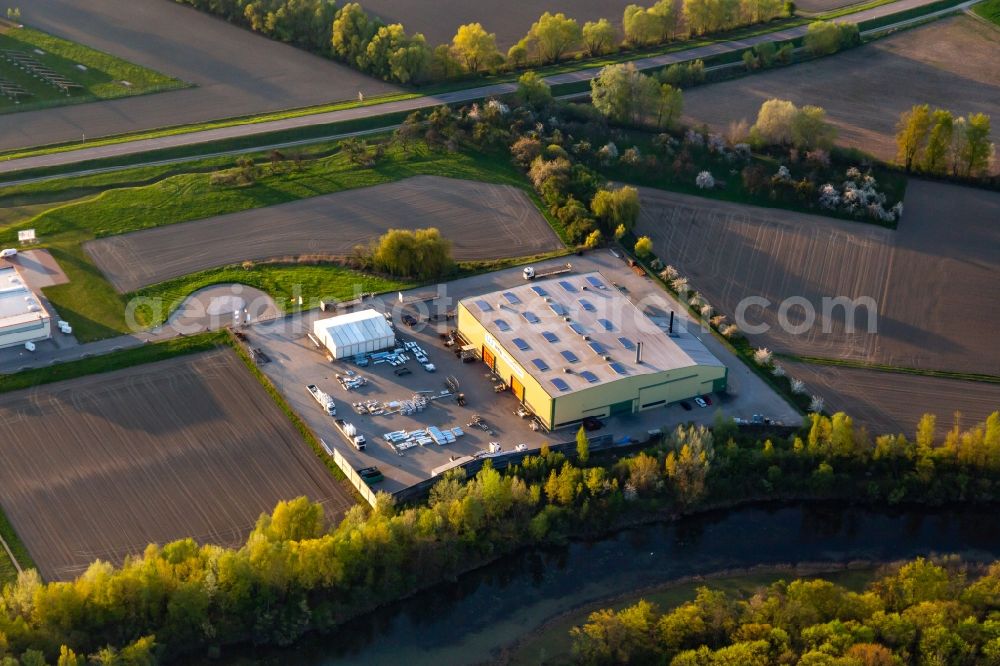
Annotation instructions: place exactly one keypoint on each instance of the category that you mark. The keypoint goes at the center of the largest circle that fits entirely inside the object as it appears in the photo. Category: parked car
(402, 371)
(685, 405)
(591, 423)
(707, 398)
(409, 320)
(700, 402)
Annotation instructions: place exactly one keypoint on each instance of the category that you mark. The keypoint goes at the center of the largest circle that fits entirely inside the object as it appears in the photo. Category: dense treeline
(294, 573)
(922, 613)
(351, 35)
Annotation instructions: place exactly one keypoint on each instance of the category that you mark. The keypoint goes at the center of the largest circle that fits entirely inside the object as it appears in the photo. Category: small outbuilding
(355, 333)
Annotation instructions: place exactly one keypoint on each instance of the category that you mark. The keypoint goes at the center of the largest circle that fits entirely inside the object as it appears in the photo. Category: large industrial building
(354, 333)
(22, 317)
(575, 346)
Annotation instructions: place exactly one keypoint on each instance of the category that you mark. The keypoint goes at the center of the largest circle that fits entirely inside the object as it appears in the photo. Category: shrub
(762, 356)
(421, 253)
(704, 180)
(644, 247)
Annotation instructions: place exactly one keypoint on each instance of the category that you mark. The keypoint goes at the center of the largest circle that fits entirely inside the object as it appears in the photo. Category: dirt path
(483, 221)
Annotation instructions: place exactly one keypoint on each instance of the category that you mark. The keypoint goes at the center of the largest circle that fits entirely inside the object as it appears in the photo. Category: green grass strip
(989, 10)
(8, 572)
(200, 127)
(861, 365)
(102, 77)
(907, 14)
(126, 358)
(279, 400)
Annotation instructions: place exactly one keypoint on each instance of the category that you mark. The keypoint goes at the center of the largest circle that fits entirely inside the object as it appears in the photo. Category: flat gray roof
(17, 303)
(584, 323)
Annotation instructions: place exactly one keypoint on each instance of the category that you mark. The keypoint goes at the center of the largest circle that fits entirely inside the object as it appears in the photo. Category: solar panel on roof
(521, 344)
(608, 326)
(594, 282)
(511, 298)
(531, 317)
(558, 309)
(483, 305)
(569, 356)
(540, 364)
(550, 336)
(539, 291)
(560, 384)
(502, 325)
(567, 285)
(589, 376)
(579, 330)
(597, 347)
(587, 305)
(626, 343)
(619, 368)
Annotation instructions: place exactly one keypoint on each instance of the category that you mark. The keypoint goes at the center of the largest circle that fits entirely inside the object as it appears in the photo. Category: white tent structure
(355, 333)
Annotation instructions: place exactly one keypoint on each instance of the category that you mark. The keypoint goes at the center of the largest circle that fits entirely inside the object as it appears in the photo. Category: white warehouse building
(355, 333)
(22, 317)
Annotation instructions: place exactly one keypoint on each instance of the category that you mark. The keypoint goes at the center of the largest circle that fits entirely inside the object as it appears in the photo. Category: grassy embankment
(102, 77)
(989, 10)
(96, 310)
(552, 643)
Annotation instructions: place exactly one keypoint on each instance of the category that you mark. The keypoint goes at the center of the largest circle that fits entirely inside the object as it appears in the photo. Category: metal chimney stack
(638, 353)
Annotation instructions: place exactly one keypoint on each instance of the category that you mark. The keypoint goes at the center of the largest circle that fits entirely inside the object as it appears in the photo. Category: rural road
(457, 97)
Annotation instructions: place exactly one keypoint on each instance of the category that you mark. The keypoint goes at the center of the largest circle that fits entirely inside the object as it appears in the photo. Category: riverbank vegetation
(920, 612)
(295, 573)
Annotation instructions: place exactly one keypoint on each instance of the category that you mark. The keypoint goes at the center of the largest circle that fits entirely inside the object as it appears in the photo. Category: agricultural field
(234, 72)
(950, 63)
(889, 402)
(39, 70)
(933, 281)
(483, 221)
(102, 465)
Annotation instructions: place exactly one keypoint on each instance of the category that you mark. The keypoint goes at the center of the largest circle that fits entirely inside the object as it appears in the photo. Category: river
(466, 622)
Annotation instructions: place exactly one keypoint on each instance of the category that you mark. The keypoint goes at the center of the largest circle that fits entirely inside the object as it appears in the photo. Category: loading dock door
(489, 359)
(517, 388)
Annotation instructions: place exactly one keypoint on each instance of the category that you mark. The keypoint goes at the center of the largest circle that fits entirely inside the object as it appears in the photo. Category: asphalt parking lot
(295, 363)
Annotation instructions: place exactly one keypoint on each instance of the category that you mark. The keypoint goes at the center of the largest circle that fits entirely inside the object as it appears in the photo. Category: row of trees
(389, 52)
(939, 143)
(294, 573)
(919, 613)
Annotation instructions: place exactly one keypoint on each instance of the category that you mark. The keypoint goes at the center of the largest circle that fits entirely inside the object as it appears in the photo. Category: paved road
(192, 138)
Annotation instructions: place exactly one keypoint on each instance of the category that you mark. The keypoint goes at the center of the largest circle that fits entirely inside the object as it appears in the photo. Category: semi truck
(351, 434)
(324, 399)
(530, 273)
